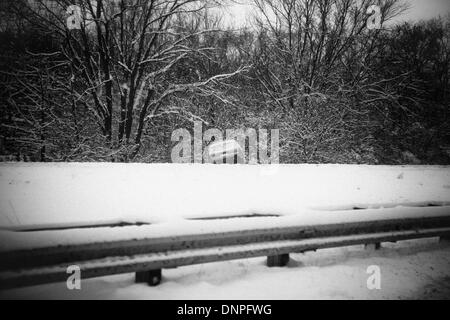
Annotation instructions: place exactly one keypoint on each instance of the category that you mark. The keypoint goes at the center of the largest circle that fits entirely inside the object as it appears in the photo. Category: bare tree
(125, 58)
(312, 61)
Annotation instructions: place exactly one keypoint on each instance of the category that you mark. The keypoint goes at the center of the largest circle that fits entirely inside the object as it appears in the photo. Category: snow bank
(81, 193)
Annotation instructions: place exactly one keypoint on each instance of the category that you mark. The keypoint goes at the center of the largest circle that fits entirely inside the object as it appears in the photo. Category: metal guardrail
(148, 256)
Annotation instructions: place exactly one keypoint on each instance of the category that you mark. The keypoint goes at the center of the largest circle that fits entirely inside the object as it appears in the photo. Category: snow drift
(81, 193)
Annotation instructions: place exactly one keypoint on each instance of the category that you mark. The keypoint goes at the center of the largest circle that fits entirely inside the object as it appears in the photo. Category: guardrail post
(372, 246)
(152, 277)
(280, 260)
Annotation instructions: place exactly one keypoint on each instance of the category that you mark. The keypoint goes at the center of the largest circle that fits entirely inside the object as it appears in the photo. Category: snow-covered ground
(168, 196)
(65, 194)
(415, 269)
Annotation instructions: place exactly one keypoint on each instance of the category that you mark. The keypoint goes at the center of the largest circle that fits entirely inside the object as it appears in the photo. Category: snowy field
(76, 194)
(167, 197)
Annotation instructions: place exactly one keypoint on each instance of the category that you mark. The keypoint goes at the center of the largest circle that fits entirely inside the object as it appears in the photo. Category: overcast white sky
(425, 9)
(419, 9)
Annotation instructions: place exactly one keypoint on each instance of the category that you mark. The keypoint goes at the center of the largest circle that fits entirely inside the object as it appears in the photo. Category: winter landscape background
(93, 93)
(116, 89)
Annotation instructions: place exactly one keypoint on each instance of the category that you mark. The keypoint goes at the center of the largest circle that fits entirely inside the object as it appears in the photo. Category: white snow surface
(169, 195)
(33, 195)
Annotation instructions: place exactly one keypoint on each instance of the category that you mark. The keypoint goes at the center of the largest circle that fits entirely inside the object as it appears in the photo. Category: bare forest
(114, 88)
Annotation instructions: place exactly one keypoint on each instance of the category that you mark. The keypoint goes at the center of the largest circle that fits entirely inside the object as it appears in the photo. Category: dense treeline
(137, 70)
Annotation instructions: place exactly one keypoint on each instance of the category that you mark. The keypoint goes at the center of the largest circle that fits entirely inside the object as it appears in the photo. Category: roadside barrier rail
(147, 256)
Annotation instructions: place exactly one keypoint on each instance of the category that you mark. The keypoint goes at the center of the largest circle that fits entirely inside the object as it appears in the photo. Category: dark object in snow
(152, 277)
(373, 246)
(278, 260)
